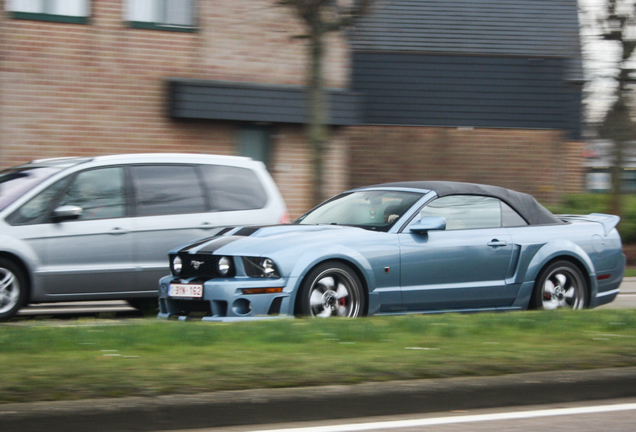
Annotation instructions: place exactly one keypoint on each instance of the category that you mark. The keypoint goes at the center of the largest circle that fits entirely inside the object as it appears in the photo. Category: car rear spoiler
(609, 222)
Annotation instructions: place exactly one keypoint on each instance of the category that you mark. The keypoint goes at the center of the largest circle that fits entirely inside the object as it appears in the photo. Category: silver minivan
(100, 228)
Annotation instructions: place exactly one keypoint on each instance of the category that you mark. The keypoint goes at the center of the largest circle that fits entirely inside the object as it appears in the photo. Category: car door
(462, 267)
(171, 209)
(89, 254)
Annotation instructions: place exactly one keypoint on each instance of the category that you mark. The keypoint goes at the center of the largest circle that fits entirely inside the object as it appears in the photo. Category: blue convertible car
(412, 247)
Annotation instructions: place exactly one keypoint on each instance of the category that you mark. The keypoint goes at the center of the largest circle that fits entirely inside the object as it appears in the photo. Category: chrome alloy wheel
(335, 293)
(9, 290)
(563, 287)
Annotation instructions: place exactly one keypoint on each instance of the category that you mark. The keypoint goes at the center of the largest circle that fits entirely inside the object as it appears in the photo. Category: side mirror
(428, 223)
(67, 212)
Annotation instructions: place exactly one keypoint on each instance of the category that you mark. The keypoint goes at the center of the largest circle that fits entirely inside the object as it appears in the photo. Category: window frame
(154, 25)
(50, 17)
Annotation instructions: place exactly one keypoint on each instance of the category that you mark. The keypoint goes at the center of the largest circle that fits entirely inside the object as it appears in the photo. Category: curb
(264, 406)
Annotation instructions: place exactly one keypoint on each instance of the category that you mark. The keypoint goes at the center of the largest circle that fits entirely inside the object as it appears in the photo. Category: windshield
(14, 182)
(376, 210)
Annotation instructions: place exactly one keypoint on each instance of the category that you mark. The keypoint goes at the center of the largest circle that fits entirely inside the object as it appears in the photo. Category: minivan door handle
(497, 243)
(118, 231)
(206, 225)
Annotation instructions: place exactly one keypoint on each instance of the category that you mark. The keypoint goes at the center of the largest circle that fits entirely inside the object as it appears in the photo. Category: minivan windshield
(372, 209)
(15, 182)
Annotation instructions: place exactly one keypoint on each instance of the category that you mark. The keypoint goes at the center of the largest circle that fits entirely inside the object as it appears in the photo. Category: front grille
(200, 265)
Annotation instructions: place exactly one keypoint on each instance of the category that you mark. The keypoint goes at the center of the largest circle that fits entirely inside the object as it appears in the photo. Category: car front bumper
(225, 300)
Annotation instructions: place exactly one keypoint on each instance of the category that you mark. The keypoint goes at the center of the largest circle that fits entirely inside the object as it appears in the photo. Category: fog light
(224, 266)
(177, 265)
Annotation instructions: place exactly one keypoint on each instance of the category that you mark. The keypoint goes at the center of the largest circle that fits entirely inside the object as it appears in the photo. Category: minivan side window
(167, 189)
(37, 209)
(101, 193)
(233, 188)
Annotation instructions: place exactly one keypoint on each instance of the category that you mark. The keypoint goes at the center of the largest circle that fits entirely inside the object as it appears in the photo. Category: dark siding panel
(528, 28)
(249, 102)
(439, 90)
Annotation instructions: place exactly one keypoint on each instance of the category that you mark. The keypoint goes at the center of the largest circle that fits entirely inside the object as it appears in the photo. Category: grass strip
(89, 358)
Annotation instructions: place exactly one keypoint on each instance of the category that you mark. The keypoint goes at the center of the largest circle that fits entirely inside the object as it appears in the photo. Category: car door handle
(118, 231)
(497, 243)
(206, 225)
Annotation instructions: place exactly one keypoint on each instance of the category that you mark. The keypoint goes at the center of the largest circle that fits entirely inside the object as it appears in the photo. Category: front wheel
(332, 289)
(13, 289)
(561, 285)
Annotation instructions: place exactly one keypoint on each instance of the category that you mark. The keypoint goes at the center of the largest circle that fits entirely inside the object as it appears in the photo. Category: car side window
(37, 209)
(233, 188)
(510, 218)
(167, 189)
(466, 211)
(101, 193)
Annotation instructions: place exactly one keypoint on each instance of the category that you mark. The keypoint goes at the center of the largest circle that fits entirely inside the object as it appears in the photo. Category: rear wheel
(13, 289)
(332, 289)
(561, 285)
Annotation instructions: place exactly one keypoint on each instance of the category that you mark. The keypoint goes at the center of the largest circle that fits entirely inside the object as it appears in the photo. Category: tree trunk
(617, 179)
(318, 132)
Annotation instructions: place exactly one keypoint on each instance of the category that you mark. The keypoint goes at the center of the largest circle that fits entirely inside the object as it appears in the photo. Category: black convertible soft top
(528, 207)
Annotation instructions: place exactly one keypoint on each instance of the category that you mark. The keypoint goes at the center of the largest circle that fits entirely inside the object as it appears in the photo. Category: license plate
(185, 290)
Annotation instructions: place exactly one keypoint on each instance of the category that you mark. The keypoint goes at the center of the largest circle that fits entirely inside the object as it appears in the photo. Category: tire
(331, 289)
(560, 285)
(14, 289)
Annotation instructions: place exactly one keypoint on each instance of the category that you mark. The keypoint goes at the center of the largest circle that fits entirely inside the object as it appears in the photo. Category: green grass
(630, 272)
(87, 359)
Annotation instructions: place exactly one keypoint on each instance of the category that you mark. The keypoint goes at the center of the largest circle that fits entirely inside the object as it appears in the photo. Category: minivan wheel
(13, 289)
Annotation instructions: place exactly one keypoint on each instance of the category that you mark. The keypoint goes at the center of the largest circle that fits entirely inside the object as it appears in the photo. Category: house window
(176, 15)
(69, 11)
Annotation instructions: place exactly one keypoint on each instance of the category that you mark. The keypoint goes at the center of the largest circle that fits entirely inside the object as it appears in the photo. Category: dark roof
(530, 28)
(253, 102)
(528, 207)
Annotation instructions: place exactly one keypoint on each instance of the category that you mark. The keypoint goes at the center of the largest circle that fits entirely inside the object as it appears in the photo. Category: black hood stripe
(218, 244)
(247, 231)
(205, 240)
(220, 239)
(194, 245)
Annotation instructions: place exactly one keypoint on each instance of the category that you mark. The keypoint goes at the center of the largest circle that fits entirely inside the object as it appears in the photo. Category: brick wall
(292, 169)
(540, 162)
(71, 89)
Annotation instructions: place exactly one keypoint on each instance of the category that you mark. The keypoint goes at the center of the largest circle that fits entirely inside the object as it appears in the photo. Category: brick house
(436, 89)
(470, 90)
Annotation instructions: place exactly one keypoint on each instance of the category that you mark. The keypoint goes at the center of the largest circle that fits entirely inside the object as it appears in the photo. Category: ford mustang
(410, 247)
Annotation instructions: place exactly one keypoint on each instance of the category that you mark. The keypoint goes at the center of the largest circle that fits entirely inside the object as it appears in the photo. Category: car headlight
(177, 265)
(261, 268)
(224, 266)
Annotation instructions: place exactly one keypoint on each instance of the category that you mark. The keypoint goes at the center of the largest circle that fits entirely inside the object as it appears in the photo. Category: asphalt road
(120, 309)
(249, 410)
(613, 415)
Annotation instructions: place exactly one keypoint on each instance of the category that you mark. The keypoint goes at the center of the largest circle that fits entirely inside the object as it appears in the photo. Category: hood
(263, 241)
